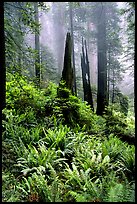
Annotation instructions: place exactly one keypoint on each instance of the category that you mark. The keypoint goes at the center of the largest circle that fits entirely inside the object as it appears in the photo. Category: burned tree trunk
(67, 73)
(83, 68)
(86, 76)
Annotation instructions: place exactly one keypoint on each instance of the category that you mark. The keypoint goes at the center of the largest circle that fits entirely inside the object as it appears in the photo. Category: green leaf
(106, 159)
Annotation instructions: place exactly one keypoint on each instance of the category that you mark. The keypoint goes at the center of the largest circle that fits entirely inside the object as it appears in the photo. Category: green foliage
(56, 149)
(121, 192)
(122, 104)
(36, 157)
(37, 189)
(122, 156)
(56, 138)
(21, 94)
(48, 65)
(51, 101)
(92, 123)
(118, 123)
(18, 21)
(26, 99)
(63, 91)
(9, 190)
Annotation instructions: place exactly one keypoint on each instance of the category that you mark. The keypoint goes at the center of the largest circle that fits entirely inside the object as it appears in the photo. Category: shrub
(37, 189)
(9, 190)
(120, 125)
(21, 95)
(56, 148)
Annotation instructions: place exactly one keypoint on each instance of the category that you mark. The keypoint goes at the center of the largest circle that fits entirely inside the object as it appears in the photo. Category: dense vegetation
(55, 148)
(68, 129)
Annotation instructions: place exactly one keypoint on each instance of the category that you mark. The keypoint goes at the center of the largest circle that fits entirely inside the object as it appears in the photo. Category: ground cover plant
(56, 149)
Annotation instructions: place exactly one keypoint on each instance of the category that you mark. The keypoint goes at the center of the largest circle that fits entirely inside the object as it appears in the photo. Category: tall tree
(102, 59)
(18, 22)
(73, 52)
(21, 39)
(2, 63)
(129, 13)
(114, 49)
(13, 35)
(37, 46)
(59, 30)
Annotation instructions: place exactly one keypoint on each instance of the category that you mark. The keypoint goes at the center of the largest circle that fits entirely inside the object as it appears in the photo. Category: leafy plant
(57, 149)
(37, 188)
(9, 190)
(121, 192)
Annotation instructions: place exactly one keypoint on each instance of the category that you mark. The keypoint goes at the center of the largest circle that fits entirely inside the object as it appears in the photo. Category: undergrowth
(55, 149)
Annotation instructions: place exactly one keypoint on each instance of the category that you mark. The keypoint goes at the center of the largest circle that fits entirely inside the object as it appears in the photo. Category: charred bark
(86, 76)
(67, 73)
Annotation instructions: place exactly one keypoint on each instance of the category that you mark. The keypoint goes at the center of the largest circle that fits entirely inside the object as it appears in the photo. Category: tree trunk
(102, 60)
(59, 30)
(134, 79)
(86, 77)
(2, 64)
(73, 53)
(19, 50)
(108, 78)
(89, 92)
(67, 73)
(88, 31)
(37, 47)
(113, 88)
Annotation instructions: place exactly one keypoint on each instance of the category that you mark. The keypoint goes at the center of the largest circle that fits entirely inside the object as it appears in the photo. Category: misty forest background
(68, 125)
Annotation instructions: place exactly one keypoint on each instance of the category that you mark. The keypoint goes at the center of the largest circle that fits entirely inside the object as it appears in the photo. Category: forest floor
(56, 149)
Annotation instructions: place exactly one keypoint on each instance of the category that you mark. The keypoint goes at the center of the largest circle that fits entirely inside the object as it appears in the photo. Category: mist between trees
(68, 117)
(35, 34)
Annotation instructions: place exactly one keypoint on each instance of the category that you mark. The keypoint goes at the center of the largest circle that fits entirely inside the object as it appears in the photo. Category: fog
(55, 23)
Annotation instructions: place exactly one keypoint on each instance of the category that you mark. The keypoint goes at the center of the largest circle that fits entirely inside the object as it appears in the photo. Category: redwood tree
(102, 59)
(37, 46)
(73, 53)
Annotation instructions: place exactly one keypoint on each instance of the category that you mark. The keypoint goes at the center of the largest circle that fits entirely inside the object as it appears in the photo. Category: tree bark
(108, 76)
(37, 47)
(67, 73)
(73, 53)
(102, 60)
(59, 30)
(86, 76)
(113, 88)
(20, 39)
(2, 64)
